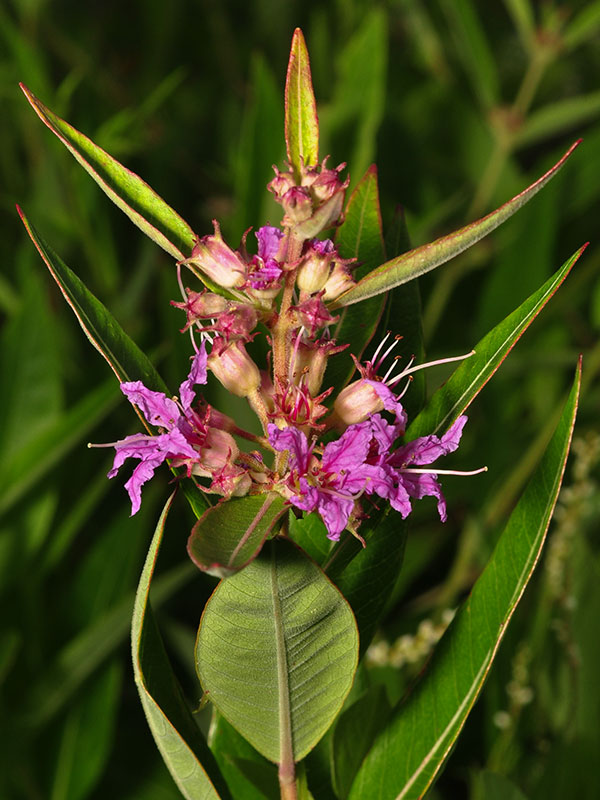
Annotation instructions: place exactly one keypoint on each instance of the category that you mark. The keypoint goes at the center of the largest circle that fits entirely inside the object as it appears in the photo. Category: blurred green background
(461, 104)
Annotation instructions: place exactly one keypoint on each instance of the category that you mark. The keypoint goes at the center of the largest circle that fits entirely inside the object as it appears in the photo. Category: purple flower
(332, 486)
(362, 461)
(403, 466)
(181, 428)
(265, 267)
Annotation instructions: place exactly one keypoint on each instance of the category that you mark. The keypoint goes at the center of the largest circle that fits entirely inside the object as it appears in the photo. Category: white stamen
(381, 343)
(443, 471)
(404, 372)
(388, 351)
(408, 371)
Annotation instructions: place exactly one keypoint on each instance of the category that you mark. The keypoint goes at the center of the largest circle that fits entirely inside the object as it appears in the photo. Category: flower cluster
(285, 289)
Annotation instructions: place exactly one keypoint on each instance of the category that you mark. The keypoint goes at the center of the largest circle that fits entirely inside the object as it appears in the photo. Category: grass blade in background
(126, 189)
(301, 121)
(472, 375)
(175, 731)
(429, 256)
(410, 751)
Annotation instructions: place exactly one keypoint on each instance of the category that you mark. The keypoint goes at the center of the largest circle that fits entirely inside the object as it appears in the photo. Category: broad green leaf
(467, 381)
(126, 189)
(301, 121)
(248, 774)
(229, 535)
(360, 236)
(411, 749)
(175, 731)
(276, 652)
(124, 357)
(554, 118)
(425, 258)
(354, 734)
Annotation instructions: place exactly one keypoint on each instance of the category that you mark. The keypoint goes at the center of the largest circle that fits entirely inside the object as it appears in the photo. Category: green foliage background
(461, 104)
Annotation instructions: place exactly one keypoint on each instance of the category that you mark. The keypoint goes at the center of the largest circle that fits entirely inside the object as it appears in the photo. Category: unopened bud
(218, 261)
(234, 368)
(357, 402)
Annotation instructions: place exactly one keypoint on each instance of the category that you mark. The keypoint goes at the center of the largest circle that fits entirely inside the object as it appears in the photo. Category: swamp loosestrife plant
(336, 459)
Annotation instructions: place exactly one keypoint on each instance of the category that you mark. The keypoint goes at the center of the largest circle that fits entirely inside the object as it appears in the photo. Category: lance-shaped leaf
(175, 731)
(468, 380)
(124, 357)
(301, 121)
(276, 652)
(425, 258)
(126, 189)
(412, 747)
(360, 236)
(229, 535)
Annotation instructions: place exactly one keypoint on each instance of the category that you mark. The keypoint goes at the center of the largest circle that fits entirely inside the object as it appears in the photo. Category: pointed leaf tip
(127, 190)
(301, 120)
(425, 258)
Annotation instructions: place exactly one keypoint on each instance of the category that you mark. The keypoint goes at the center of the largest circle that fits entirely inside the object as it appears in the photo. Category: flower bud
(218, 261)
(338, 282)
(357, 402)
(234, 368)
(315, 265)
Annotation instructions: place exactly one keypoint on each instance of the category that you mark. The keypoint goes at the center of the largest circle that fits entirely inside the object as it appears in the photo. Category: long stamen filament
(387, 352)
(381, 343)
(443, 471)
(408, 371)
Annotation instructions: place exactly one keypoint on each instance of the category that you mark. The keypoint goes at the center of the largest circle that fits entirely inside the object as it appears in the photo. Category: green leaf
(126, 189)
(411, 749)
(248, 774)
(468, 380)
(360, 236)
(124, 357)
(366, 575)
(425, 258)
(277, 650)
(229, 535)
(301, 121)
(175, 731)
(554, 118)
(353, 736)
